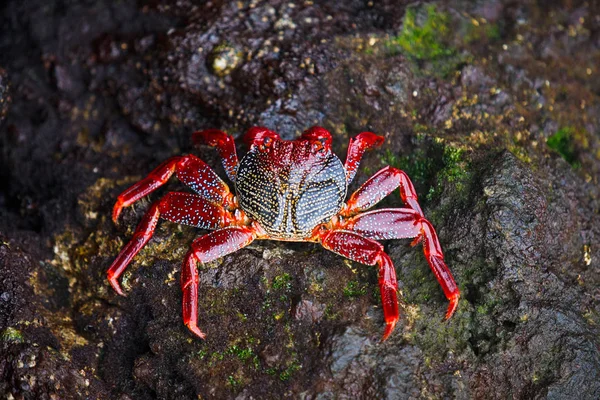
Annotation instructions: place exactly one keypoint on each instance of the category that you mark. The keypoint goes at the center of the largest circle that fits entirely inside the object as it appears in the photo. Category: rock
(4, 94)
(499, 141)
(34, 340)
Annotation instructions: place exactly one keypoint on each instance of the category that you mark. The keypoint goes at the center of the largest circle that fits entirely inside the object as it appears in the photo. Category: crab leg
(182, 208)
(367, 251)
(379, 186)
(190, 170)
(385, 224)
(225, 146)
(357, 147)
(407, 223)
(205, 249)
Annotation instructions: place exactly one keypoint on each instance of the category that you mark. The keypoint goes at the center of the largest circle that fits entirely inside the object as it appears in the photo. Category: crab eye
(260, 137)
(320, 138)
(266, 143)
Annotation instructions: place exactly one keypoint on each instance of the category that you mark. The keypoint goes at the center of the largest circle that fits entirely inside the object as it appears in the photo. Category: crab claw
(225, 146)
(369, 140)
(211, 137)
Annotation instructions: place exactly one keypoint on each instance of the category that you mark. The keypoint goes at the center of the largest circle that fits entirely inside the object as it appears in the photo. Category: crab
(289, 190)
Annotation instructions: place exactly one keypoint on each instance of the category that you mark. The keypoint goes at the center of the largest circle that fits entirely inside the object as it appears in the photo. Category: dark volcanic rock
(492, 109)
(43, 356)
(4, 94)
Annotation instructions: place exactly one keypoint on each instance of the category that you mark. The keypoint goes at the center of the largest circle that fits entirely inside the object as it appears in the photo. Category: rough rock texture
(493, 108)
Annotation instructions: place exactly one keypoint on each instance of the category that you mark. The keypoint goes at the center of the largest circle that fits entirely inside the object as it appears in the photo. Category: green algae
(563, 142)
(433, 165)
(423, 38)
(245, 354)
(11, 335)
(355, 289)
(239, 360)
(420, 164)
(233, 382)
(480, 31)
(283, 281)
(292, 367)
(277, 295)
(437, 337)
(455, 171)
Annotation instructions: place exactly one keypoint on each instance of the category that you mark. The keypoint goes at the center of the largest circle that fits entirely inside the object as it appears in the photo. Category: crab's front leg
(379, 186)
(178, 207)
(225, 146)
(358, 145)
(367, 251)
(190, 170)
(205, 249)
(408, 223)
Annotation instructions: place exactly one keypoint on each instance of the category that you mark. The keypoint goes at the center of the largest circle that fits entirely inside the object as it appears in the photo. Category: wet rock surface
(492, 108)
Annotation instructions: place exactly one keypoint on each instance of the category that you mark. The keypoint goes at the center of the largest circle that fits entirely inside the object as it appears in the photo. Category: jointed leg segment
(435, 258)
(358, 145)
(182, 208)
(205, 249)
(142, 235)
(385, 224)
(378, 187)
(190, 170)
(355, 236)
(408, 223)
(225, 146)
(367, 251)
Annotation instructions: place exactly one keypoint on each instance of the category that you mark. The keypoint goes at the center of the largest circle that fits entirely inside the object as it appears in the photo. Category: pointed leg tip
(389, 328)
(116, 212)
(196, 331)
(452, 306)
(115, 285)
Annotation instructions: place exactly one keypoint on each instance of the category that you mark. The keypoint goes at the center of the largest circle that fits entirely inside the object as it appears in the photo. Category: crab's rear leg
(205, 249)
(367, 251)
(182, 208)
(190, 170)
(407, 223)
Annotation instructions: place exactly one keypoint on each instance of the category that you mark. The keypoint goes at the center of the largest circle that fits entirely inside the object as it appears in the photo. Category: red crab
(285, 190)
